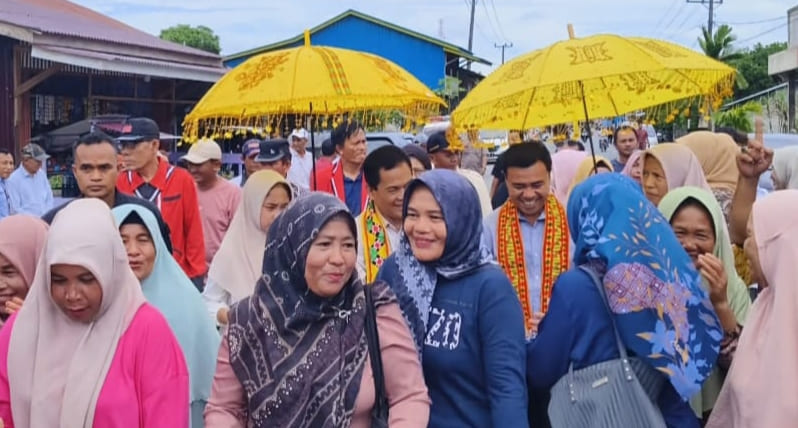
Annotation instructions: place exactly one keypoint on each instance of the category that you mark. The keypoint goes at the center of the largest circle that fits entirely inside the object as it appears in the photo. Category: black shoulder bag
(379, 414)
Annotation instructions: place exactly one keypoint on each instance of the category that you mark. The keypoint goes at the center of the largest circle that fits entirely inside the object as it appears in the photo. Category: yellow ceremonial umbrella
(592, 77)
(313, 81)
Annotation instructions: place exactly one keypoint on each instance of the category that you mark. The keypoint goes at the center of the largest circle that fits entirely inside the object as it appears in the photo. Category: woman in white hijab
(238, 264)
(86, 350)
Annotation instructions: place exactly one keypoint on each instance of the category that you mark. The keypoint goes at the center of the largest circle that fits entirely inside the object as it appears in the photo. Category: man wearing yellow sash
(529, 233)
(387, 172)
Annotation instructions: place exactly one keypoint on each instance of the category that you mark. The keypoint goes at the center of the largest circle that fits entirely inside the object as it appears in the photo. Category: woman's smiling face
(425, 226)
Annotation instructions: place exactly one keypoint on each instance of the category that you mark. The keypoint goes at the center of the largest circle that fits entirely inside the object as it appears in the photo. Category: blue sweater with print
(474, 355)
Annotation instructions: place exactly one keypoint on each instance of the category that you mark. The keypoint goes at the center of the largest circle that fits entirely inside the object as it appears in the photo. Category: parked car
(375, 140)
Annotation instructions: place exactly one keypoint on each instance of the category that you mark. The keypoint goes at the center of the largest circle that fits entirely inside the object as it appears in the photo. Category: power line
(496, 15)
(490, 22)
(748, 39)
(662, 17)
(673, 18)
(711, 11)
(753, 22)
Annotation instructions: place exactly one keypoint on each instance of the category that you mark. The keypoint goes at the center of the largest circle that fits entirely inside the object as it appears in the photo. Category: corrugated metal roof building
(427, 58)
(61, 62)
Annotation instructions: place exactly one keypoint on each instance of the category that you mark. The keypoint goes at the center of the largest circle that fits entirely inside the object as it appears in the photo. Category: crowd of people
(388, 289)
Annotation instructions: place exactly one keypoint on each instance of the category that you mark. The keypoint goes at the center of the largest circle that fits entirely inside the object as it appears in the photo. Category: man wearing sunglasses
(169, 188)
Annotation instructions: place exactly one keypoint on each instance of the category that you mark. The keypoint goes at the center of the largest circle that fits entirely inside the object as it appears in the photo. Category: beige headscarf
(586, 169)
(785, 166)
(763, 380)
(238, 264)
(58, 366)
(21, 242)
(717, 154)
(681, 166)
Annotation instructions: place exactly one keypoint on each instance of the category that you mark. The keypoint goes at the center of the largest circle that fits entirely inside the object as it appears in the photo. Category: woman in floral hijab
(654, 293)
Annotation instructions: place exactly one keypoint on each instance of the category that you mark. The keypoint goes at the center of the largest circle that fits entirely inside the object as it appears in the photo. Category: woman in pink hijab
(669, 166)
(762, 384)
(21, 242)
(86, 350)
(563, 170)
(634, 167)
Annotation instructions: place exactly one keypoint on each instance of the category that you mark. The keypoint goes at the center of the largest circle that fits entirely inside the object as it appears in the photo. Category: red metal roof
(61, 17)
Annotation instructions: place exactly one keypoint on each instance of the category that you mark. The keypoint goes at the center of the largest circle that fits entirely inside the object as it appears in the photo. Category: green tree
(720, 46)
(739, 117)
(200, 37)
(753, 65)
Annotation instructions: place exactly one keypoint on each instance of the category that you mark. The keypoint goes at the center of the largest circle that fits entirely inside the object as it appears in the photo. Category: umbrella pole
(587, 125)
(313, 147)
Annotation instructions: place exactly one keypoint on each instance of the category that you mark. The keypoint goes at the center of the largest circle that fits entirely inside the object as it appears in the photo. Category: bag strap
(375, 356)
(600, 286)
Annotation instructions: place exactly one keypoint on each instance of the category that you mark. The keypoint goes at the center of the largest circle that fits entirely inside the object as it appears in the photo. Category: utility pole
(471, 29)
(503, 46)
(711, 19)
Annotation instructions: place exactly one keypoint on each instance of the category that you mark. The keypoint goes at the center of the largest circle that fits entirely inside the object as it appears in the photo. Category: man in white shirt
(301, 160)
(29, 191)
(387, 172)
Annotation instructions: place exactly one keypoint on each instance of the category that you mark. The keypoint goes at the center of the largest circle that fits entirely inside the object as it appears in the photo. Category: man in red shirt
(344, 179)
(170, 188)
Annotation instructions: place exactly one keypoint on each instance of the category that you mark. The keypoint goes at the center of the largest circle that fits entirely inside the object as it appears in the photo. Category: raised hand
(12, 306)
(712, 270)
(755, 159)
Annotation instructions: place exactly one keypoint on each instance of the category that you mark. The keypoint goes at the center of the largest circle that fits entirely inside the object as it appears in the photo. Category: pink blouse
(146, 385)
(404, 382)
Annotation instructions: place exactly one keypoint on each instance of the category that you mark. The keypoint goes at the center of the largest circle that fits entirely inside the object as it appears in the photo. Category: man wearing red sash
(529, 233)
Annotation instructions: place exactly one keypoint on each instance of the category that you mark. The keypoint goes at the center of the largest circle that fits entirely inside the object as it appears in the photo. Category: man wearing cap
(445, 157)
(29, 191)
(218, 198)
(249, 151)
(6, 168)
(301, 160)
(170, 188)
(344, 178)
(275, 155)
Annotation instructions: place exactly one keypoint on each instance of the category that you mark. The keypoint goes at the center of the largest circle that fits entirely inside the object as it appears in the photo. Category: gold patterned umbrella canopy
(598, 76)
(308, 80)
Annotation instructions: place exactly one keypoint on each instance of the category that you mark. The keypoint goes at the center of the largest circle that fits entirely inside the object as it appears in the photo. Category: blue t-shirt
(353, 193)
(474, 352)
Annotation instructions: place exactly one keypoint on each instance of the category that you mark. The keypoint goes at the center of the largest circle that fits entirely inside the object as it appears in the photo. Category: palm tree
(719, 46)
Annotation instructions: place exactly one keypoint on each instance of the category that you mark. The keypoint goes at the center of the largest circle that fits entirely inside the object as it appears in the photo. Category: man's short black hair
(5, 151)
(739, 137)
(623, 128)
(327, 148)
(385, 157)
(345, 130)
(578, 144)
(525, 155)
(96, 137)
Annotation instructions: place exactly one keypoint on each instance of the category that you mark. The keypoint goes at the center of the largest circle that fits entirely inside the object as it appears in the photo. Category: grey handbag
(618, 393)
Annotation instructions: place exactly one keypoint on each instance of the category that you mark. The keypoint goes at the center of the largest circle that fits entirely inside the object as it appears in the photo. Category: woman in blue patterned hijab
(662, 313)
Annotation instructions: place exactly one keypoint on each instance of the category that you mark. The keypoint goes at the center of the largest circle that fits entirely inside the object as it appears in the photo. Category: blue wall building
(427, 58)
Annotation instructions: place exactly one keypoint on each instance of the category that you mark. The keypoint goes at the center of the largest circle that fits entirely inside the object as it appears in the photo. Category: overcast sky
(527, 24)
